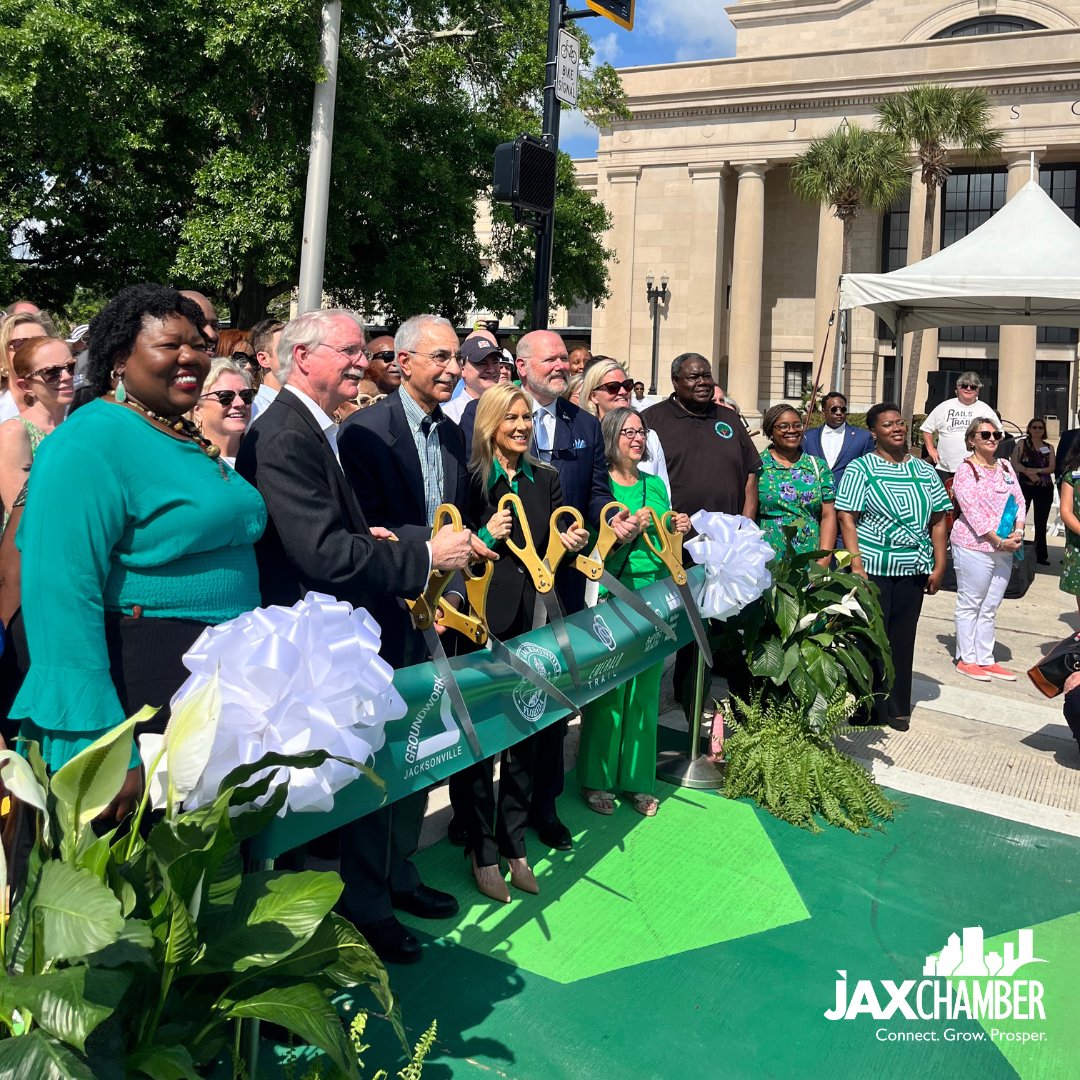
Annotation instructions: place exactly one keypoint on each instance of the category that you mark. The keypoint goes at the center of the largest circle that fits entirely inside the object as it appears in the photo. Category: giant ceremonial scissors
(668, 549)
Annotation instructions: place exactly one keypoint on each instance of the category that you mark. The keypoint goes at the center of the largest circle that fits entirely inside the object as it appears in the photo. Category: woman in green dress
(618, 730)
(1069, 512)
(794, 488)
(134, 537)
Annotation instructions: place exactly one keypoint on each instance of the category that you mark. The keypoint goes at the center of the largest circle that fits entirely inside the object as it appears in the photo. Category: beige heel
(522, 876)
(490, 882)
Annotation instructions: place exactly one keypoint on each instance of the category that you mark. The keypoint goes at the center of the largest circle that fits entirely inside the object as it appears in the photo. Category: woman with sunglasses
(14, 331)
(1033, 461)
(891, 507)
(794, 488)
(224, 408)
(42, 369)
(606, 386)
(618, 729)
(982, 552)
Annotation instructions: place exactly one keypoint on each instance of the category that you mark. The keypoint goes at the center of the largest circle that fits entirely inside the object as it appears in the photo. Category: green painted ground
(706, 942)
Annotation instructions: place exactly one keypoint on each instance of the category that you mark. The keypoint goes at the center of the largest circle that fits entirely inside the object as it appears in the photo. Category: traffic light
(524, 174)
(618, 11)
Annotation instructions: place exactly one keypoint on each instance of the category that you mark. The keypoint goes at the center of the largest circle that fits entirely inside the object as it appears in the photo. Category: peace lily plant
(137, 952)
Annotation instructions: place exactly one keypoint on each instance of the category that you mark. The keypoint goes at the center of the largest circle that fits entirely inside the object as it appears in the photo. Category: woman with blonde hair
(43, 371)
(224, 408)
(501, 465)
(14, 331)
(606, 386)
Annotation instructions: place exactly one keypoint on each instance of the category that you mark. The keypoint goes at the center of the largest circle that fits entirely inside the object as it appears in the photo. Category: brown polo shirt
(709, 456)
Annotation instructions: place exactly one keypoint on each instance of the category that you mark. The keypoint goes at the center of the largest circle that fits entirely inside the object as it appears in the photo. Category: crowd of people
(220, 470)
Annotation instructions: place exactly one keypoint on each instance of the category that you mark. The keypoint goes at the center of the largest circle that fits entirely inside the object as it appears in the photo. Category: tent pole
(899, 386)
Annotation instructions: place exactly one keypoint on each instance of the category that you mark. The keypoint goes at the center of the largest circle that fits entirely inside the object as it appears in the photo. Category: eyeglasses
(986, 436)
(226, 397)
(247, 359)
(442, 357)
(888, 425)
(613, 388)
(966, 386)
(838, 408)
(16, 342)
(385, 355)
(633, 434)
(364, 400)
(353, 352)
(51, 376)
(789, 427)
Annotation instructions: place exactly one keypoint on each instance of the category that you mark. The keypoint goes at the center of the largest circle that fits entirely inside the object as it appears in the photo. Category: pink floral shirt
(981, 495)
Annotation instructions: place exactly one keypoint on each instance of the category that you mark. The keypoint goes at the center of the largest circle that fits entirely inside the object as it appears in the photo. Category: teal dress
(118, 514)
(794, 496)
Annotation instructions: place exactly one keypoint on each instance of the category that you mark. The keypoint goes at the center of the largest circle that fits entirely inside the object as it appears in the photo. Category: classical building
(698, 184)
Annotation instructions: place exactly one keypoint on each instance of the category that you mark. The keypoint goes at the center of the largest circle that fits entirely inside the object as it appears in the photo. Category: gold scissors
(668, 549)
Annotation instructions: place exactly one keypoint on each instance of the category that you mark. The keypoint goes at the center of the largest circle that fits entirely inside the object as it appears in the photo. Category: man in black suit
(318, 539)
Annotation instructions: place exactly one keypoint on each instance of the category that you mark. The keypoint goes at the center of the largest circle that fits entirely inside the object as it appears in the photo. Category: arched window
(988, 24)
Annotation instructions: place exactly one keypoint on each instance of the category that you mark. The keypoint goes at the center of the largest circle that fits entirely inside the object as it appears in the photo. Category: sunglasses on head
(967, 386)
(51, 376)
(986, 436)
(613, 388)
(226, 397)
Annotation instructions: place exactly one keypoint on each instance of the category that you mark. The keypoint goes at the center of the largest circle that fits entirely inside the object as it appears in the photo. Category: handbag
(1063, 660)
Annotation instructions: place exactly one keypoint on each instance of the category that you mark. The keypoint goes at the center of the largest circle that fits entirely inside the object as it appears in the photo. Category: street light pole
(656, 297)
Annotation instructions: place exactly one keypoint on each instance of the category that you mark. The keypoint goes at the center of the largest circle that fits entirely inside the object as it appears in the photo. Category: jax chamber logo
(964, 981)
(530, 700)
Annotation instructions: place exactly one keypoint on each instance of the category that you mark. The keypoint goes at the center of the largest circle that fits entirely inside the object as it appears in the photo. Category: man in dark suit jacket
(318, 539)
(837, 439)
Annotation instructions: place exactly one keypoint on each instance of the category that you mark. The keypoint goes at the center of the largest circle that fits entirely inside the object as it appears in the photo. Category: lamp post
(656, 297)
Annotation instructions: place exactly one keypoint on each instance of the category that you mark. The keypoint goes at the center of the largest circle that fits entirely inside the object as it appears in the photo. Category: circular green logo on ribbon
(724, 430)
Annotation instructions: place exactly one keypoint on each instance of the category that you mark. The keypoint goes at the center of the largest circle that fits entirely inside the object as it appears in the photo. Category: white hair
(309, 330)
(412, 330)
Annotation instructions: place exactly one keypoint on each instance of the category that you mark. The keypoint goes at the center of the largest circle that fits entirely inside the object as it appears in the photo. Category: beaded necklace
(179, 428)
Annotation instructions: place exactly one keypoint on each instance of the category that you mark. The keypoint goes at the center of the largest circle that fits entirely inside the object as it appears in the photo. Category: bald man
(382, 366)
(210, 327)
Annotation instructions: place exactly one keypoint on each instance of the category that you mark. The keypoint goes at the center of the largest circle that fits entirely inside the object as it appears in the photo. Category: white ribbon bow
(735, 555)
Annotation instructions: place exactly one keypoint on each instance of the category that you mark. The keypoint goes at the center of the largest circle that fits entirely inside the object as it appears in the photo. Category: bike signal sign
(619, 11)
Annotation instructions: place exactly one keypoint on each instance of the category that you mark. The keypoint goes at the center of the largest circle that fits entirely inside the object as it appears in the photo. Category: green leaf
(163, 1063)
(304, 1011)
(38, 1056)
(791, 662)
(67, 1002)
(18, 777)
(787, 614)
(79, 914)
(768, 659)
(190, 738)
(273, 914)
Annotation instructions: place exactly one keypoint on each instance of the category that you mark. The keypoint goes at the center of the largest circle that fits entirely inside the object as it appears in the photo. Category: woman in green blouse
(618, 730)
(134, 538)
(892, 507)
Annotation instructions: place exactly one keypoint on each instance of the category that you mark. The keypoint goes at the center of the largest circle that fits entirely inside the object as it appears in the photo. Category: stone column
(611, 323)
(917, 208)
(704, 304)
(1016, 351)
(830, 255)
(745, 334)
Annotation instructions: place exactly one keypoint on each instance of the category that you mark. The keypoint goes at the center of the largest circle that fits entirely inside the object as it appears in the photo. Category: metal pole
(899, 388)
(692, 769)
(545, 234)
(317, 198)
(654, 303)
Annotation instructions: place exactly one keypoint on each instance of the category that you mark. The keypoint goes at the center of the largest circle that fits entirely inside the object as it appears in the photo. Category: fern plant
(793, 769)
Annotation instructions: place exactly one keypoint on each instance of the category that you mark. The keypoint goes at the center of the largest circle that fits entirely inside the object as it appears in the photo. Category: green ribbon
(611, 642)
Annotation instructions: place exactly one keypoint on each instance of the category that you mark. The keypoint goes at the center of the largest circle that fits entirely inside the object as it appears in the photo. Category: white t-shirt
(832, 442)
(949, 421)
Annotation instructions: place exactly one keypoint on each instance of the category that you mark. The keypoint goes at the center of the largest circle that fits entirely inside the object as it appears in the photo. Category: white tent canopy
(1020, 267)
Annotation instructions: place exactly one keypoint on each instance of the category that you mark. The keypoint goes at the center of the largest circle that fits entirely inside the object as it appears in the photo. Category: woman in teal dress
(618, 729)
(135, 537)
(794, 488)
(1069, 512)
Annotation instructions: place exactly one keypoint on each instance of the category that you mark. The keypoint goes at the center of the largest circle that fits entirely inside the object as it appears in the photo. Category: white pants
(981, 580)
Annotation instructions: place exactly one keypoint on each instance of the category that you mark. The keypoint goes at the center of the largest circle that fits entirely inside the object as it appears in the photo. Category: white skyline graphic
(966, 957)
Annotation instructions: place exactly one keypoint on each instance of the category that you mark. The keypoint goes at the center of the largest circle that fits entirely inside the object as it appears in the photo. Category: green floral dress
(1070, 568)
(794, 496)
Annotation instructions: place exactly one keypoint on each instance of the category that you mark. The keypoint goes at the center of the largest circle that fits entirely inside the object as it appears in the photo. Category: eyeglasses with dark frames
(612, 388)
(838, 408)
(986, 436)
(225, 398)
(632, 434)
(385, 355)
(967, 386)
(797, 426)
(52, 376)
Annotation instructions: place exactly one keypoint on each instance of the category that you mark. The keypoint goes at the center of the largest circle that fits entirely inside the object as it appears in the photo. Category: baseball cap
(475, 350)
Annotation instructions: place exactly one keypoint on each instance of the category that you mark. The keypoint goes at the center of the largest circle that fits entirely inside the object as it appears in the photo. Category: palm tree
(929, 119)
(851, 169)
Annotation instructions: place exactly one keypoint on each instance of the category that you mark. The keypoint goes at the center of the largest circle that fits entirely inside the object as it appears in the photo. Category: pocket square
(579, 444)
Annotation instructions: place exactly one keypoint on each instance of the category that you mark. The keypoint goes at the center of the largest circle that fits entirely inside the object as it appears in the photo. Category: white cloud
(699, 29)
(606, 48)
(573, 124)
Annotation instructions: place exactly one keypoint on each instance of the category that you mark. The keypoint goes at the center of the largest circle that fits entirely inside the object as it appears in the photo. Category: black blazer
(317, 536)
(512, 596)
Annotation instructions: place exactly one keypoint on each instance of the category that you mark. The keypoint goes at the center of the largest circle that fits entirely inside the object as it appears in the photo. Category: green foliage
(792, 768)
(169, 142)
(133, 955)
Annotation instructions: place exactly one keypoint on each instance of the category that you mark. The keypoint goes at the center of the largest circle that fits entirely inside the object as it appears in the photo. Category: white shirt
(832, 442)
(326, 423)
(8, 409)
(263, 397)
(950, 421)
(455, 408)
(657, 463)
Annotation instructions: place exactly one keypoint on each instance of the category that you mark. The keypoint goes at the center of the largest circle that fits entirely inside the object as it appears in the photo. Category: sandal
(602, 802)
(646, 805)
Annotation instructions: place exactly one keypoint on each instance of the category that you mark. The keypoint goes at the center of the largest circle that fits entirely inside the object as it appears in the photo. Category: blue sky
(665, 31)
